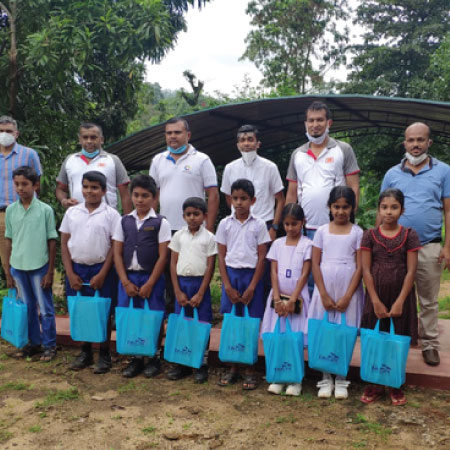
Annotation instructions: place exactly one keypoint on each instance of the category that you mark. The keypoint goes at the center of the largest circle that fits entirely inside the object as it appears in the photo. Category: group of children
(101, 250)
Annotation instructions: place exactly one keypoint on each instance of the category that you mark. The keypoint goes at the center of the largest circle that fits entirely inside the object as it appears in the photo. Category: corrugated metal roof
(280, 121)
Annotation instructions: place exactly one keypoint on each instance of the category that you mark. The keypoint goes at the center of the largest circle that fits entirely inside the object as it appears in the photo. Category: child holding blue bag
(87, 255)
(140, 240)
(389, 262)
(242, 246)
(336, 266)
(290, 258)
(193, 256)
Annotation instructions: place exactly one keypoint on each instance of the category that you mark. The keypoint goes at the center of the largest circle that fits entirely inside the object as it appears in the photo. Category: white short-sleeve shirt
(242, 240)
(90, 232)
(76, 165)
(188, 176)
(316, 177)
(193, 251)
(264, 175)
(164, 234)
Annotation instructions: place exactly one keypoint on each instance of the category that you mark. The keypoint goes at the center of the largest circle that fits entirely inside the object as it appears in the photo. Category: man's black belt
(437, 240)
(3, 208)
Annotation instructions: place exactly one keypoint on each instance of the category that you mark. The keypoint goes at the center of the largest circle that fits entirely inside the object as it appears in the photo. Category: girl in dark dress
(389, 263)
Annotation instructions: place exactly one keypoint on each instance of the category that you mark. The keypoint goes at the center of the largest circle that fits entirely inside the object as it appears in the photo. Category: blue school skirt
(190, 286)
(156, 302)
(240, 279)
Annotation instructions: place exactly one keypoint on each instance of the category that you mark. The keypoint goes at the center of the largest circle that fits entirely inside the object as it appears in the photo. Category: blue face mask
(177, 151)
(89, 155)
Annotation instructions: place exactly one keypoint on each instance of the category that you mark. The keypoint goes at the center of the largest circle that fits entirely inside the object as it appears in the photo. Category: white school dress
(337, 265)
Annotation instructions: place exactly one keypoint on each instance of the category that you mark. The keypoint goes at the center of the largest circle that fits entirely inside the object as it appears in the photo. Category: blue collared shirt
(19, 156)
(423, 193)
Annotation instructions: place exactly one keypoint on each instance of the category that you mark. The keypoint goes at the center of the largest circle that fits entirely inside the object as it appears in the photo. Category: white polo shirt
(193, 251)
(242, 240)
(188, 176)
(316, 177)
(76, 165)
(164, 235)
(90, 232)
(264, 175)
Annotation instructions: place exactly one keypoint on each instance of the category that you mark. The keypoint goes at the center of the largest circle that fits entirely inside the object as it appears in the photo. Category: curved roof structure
(280, 121)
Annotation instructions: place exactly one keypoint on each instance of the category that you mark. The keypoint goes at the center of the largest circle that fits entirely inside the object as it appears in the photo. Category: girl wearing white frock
(336, 266)
(290, 258)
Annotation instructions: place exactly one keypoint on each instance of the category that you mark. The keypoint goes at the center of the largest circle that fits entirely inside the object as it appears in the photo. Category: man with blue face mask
(12, 155)
(92, 157)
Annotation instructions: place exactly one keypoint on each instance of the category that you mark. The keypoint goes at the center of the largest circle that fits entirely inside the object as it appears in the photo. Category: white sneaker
(275, 388)
(294, 389)
(340, 389)
(325, 388)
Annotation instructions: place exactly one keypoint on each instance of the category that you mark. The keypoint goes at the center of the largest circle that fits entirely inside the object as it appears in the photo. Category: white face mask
(318, 140)
(7, 139)
(249, 157)
(416, 160)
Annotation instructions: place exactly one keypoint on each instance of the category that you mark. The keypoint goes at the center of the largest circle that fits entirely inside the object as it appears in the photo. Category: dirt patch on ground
(43, 405)
(444, 291)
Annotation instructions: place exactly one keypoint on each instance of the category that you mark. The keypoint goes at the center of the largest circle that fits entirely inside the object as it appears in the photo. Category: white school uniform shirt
(177, 180)
(90, 232)
(193, 251)
(242, 240)
(264, 175)
(164, 234)
(316, 177)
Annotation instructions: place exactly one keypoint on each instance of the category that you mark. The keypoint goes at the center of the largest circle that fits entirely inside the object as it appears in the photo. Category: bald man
(425, 182)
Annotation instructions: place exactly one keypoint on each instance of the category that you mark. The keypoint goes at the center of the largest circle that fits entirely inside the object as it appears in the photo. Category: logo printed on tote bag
(138, 342)
(285, 367)
(9, 332)
(183, 351)
(331, 357)
(237, 348)
(383, 369)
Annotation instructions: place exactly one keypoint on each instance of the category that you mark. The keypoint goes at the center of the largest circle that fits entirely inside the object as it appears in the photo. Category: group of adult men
(181, 171)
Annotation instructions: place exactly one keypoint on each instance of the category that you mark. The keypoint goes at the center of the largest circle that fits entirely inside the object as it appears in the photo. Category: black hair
(95, 176)
(343, 192)
(319, 106)
(396, 194)
(179, 119)
(195, 202)
(248, 129)
(296, 211)
(245, 185)
(88, 125)
(28, 172)
(145, 182)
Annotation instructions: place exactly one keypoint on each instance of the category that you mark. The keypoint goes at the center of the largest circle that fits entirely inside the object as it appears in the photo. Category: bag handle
(195, 315)
(343, 318)
(182, 313)
(130, 302)
(12, 293)
(96, 294)
(246, 313)
(287, 323)
(391, 327)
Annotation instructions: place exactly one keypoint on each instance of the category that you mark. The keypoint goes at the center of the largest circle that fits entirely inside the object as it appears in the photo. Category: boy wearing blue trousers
(140, 254)
(31, 249)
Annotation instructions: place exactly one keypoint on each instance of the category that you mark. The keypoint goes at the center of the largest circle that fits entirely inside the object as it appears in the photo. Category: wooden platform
(417, 372)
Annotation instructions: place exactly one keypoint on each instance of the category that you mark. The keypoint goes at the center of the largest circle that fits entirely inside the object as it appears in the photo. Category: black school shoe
(104, 362)
(201, 375)
(84, 359)
(177, 372)
(152, 368)
(133, 369)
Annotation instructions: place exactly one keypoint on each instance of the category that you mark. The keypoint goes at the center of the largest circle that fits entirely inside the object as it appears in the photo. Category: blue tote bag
(284, 355)
(330, 345)
(384, 356)
(137, 330)
(14, 320)
(186, 339)
(239, 338)
(88, 317)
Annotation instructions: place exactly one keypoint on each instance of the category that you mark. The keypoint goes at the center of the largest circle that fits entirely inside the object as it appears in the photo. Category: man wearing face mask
(12, 155)
(181, 172)
(92, 157)
(262, 173)
(425, 183)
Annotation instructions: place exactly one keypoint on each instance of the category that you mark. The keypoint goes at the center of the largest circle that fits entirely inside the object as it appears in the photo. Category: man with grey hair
(12, 155)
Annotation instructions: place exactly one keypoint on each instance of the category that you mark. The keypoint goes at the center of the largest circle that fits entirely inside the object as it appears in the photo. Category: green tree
(439, 89)
(295, 41)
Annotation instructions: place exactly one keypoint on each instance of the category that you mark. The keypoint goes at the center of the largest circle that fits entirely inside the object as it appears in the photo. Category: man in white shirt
(264, 175)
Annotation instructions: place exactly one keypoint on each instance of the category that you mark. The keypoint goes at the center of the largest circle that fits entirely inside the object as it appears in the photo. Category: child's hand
(9, 281)
(131, 289)
(47, 280)
(328, 303)
(247, 296)
(396, 309)
(75, 282)
(145, 290)
(182, 298)
(342, 304)
(279, 306)
(380, 310)
(196, 300)
(97, 282)
(290, 306)
(233, 295)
